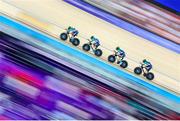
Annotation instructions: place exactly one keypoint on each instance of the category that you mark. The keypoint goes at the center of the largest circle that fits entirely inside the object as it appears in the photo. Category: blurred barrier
(19, 80)
(143, 14)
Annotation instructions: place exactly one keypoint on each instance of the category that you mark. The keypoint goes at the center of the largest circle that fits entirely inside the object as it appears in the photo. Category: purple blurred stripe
(49, 103)
(125, 25)
(14, 116)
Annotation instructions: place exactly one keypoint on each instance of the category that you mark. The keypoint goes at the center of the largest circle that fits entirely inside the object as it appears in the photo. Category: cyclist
(120, 53)
(95, 42)
(147, 65)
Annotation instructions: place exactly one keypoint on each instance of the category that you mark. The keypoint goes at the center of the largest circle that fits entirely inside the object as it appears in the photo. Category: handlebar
(89, 41)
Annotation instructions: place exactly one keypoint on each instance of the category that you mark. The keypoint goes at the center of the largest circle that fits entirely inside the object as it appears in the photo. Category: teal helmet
(144, 60)
(92, 37)
(118, 48)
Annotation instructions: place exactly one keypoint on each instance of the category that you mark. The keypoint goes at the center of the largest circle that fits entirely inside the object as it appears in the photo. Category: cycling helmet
(118, 48)
(92, 37)
(144, 60)
(69, 27)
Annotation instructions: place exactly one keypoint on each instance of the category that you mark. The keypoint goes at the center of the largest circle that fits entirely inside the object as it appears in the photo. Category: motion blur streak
(99, 65)
(34, 86)
(21, 87)
(100, 4)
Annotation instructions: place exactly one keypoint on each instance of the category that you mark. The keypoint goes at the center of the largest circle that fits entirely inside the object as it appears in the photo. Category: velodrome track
(116, 81)
(35, 38)
(164, 61)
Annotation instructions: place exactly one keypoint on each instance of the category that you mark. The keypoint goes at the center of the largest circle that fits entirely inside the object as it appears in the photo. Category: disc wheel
(64, 36)
(124, 64)
(98, 52)
(138, 70)
(75, 42)
(86, 47)
(150, 76)
(111, 58)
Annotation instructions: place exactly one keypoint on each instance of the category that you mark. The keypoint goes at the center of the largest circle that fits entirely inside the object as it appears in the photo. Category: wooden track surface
(52, 16)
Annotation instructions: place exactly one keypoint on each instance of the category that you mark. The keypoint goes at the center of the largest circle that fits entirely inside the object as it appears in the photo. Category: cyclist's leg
(119, 59)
